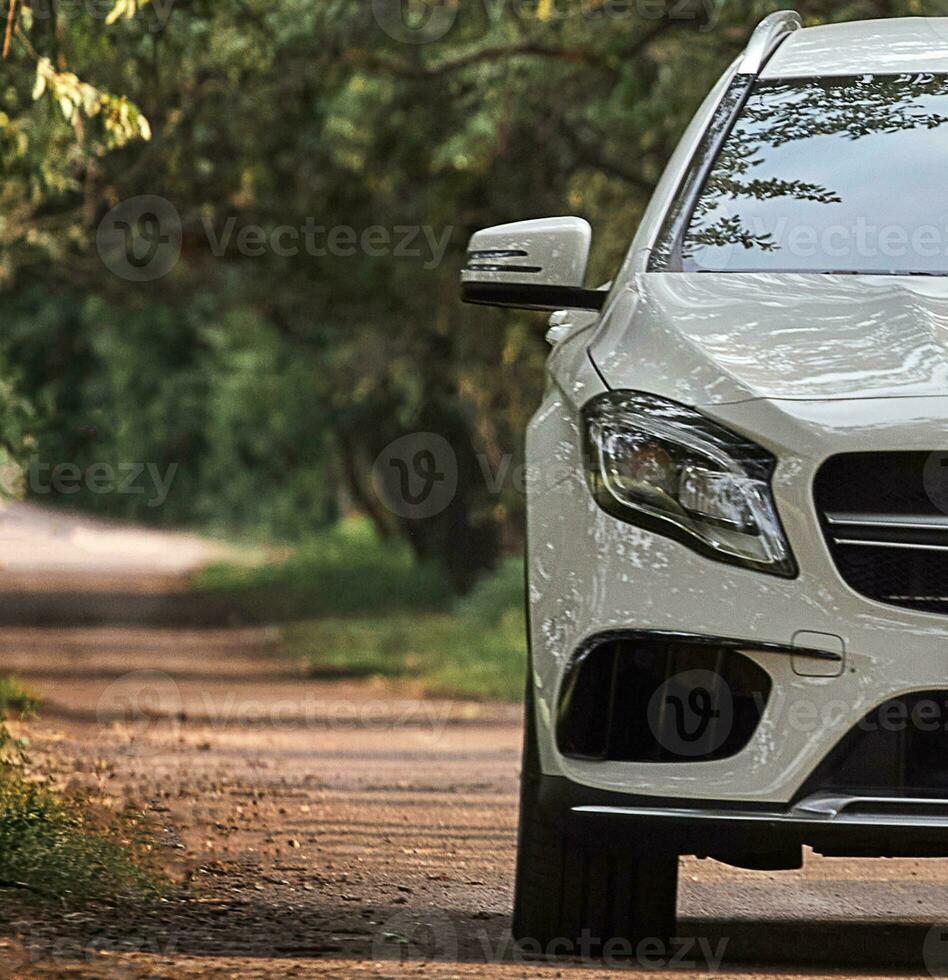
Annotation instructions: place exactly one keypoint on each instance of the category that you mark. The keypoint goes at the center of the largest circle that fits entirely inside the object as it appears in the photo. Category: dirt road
(350, 829)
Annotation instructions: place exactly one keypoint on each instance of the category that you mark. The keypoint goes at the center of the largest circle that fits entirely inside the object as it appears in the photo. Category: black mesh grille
(885, 517)
(899, 749)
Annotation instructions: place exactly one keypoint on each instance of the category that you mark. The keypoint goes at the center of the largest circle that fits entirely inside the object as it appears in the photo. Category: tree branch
(571, 55)
(8, 31)
(589, 152)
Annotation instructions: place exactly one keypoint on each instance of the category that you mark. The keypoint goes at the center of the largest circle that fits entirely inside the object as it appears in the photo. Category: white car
(738, 492)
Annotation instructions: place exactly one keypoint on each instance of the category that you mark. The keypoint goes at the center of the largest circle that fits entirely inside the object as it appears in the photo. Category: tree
(324, 118)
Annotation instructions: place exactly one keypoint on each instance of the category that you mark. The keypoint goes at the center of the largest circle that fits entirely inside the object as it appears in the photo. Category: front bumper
(590, 574)
(763, 838)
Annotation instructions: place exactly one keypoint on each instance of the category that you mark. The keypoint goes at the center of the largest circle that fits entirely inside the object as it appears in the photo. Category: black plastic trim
(735, 832)
(502, 267)
(533, 296)
(666, 253)
(604, 700)
(587, 732)
(700, 639)
(497, 253)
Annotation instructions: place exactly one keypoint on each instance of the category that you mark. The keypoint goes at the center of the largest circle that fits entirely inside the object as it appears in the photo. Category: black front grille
(898, 749)
(885, 517)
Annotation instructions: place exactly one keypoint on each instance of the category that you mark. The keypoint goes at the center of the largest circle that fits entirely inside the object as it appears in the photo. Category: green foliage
(495, 596)
(214, 403)
(381, 615)
(488, 657)
(56, 128)
(265, 466)
(60, 844)
(16, 697)
(63, 847)
(344, 571)
(436, 653)
(364, 608)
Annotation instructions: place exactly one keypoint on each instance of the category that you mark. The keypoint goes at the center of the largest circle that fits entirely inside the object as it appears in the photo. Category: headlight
(667, 468)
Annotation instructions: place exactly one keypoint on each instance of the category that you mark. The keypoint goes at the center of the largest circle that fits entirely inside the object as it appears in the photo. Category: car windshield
(841, 175)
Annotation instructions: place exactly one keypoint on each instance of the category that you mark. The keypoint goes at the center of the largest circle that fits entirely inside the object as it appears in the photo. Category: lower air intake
(654, 699)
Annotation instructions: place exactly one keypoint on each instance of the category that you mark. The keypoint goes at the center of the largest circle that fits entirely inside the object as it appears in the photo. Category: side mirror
(531, 265)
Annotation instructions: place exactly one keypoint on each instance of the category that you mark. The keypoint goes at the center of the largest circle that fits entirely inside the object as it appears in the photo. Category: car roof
(890, 46)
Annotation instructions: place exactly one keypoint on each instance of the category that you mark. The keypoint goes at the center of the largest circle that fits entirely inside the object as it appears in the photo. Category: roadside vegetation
(15, 697)
(61, 845)
(345, 570)
(354, 606)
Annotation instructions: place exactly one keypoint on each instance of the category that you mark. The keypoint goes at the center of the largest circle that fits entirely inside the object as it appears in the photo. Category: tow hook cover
(809, 667)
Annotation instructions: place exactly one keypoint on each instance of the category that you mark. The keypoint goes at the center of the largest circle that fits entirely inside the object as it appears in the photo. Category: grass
(356, 607)
(16, 697)
(60, 845)
(477, 650)
(344, 571)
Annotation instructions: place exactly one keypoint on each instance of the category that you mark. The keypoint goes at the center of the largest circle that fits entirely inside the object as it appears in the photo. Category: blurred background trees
(273, 380)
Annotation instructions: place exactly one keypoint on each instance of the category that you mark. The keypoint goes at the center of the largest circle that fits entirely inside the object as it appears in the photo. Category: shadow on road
(219, 928)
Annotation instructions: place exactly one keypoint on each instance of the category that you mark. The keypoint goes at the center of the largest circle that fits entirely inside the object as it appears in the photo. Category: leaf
(43, 68)
(124, 8)
(119, 10)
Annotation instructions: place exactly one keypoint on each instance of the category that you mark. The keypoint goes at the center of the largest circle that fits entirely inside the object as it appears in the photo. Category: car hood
(715, 338)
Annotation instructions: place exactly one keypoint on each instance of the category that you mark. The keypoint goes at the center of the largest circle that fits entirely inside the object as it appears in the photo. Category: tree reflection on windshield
(829, 173)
